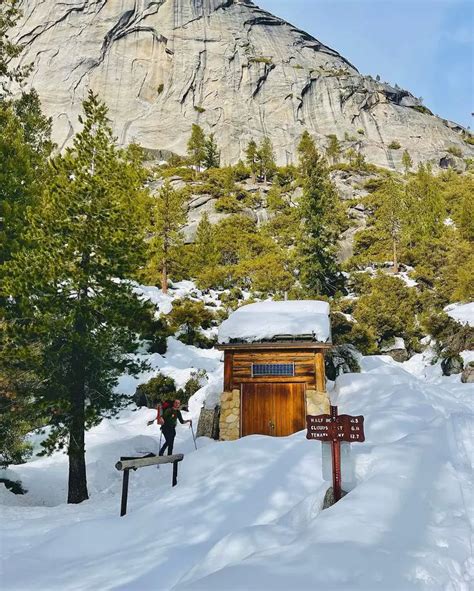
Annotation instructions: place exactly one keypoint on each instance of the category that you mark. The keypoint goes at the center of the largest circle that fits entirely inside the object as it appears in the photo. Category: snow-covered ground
(246, 515)
(462, 313)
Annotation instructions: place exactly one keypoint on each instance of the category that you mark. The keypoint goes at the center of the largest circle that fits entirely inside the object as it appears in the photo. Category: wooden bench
(134, 463)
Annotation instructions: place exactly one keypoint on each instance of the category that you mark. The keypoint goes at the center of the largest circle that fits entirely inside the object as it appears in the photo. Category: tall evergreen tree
(391, 215)
(266, 159)
(212, 158)
(197, 146)
(70, 300)
(206, 253)
(333, 150)
(25, 147)
(9, 50)
(251, 158)
(320, 211)
(168, 219)
(425, 207)
(407, 162)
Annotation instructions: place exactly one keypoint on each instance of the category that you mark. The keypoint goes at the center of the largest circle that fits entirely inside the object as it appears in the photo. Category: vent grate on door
(273, 369)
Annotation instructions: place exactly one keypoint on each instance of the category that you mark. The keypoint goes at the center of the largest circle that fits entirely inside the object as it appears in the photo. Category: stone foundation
(229, 424)
(317, 403)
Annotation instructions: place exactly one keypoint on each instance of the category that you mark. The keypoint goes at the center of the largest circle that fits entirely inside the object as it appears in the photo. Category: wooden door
(257, 409)
(276, 409)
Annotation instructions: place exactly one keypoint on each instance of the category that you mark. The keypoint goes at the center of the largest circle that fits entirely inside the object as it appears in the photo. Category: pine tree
(197, 147)
(168, 219)
(266, 159)
(212, 158)
(319, 209)
(25, 146)
(206, 253)
(251, 158)
(390, 215)
(333, 150)
(425, 207)
(407, 162)
(9, 50)
(70, 300)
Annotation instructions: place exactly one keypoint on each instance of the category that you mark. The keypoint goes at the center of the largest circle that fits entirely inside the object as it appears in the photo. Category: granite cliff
(162, 65)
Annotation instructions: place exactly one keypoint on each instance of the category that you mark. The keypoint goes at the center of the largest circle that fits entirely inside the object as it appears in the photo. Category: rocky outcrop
(240, 72)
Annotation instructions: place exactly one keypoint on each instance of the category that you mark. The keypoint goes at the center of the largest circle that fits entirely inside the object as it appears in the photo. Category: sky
(424, 46)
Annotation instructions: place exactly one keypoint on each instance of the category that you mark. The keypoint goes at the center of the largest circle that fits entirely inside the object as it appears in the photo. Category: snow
(398, 343)
(247, 515)
(462, 313)
(266, 320)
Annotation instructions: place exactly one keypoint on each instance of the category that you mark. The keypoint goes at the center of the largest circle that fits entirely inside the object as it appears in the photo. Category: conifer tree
(212, 158)
(425, 207)
(69, 299)
(197, 147)
(9, 14)
(407, 162)
(251, 158)
(167, 220)
(206, 253)
(266, 159)
(319, 209)
(25, 146)
(390, 215)
(333, 150)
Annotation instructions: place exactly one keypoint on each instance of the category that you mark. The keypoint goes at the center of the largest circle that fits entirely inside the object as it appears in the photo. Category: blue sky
(425, 46)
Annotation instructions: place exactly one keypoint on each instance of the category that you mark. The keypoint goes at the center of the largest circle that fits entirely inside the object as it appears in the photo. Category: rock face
(240, 72)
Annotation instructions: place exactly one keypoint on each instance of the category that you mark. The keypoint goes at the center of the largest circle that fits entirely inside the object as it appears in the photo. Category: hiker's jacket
(171, 416)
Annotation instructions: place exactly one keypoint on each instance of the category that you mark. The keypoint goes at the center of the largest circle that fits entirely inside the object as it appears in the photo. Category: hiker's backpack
(160, 409)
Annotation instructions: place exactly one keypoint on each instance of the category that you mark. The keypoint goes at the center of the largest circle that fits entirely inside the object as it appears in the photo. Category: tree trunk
(395, 257)
(164, 278)
(77, 486)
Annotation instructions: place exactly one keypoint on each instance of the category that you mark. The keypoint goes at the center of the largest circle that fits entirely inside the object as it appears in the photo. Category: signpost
(335, 428)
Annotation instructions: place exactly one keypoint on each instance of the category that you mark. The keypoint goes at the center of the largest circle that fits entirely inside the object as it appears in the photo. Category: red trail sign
(335, 428)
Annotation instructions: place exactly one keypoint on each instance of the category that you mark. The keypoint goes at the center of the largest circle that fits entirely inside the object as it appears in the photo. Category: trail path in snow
(246, 515)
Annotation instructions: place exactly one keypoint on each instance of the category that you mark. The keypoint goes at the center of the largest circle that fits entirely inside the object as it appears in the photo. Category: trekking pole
(194, 438)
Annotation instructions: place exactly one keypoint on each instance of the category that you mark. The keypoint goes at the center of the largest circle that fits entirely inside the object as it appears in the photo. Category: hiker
(168, 426)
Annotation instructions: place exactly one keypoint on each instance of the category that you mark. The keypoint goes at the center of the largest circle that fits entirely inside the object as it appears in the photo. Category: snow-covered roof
(269, 320)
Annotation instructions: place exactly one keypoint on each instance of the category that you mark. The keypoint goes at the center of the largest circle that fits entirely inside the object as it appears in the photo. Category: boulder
(395, 349)
(467, 376)
(452, 365)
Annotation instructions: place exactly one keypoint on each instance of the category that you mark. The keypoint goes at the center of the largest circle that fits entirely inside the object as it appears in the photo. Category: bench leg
(175, 473)
(123, 508)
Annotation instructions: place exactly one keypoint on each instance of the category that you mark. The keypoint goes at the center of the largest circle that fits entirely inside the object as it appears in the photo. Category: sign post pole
(336, 458)
(333, 429)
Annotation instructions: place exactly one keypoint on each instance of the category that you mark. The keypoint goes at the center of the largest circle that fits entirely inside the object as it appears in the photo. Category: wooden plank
(228, 371)
(273, 356)
(289, 408)
(320, 372)
(302, 345)
(274, 379)
(256, 409)
(149, 461)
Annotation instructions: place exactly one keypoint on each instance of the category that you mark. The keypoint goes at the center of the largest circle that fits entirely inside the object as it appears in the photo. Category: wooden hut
(273, 367)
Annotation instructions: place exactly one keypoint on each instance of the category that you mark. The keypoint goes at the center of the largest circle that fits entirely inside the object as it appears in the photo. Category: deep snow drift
(246, 515)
